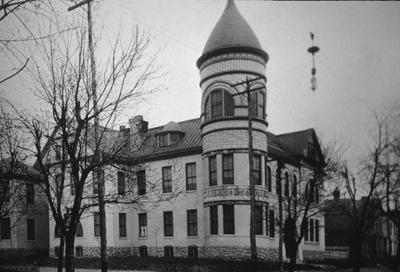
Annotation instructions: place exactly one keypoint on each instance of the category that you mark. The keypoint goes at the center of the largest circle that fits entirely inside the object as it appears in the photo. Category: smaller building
(338, 232)
(24, 228)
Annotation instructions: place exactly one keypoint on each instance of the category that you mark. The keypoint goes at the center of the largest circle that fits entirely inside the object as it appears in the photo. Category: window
(219, 103)
(268, 179)
(58, 181)
(96, 219)
(95, 182)
(79, 230)
(30, 226)
(143, 251)
(78, 251)
(174, 137)
(257, 108)
(5, 190)
(191, 222)
(286, 192)
(271, 222)
(168, 252)
(168, 224)
(167, 179)
(193, 251)
(72, 181)
(191, 176)
(5, 228)
(30, 193)
(294, 186)
(121, 183)
(213, 219)
(312, 191)
(258, 213)
(56, 251)
(163, 140)
(305, 229)
(122, 225)
(141, 180)
(212, 165)
(142, 224)
(311, 229)
(57, 231)
(227, 168)
(229, 219)
(257, 169)
(316, 230)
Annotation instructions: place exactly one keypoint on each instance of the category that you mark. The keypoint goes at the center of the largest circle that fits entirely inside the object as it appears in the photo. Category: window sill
(143, 237)
(311, 243)
(123, 238)
(193, 236)
(191, 191)
(168, 237)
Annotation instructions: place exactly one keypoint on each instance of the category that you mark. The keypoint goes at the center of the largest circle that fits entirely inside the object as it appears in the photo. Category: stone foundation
(227, 253)
(313, 255)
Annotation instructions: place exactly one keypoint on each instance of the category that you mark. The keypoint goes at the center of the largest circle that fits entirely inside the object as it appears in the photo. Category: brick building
(199, 168)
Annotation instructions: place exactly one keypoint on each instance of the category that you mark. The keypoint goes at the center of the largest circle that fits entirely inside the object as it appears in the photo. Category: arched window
(57, 231)
(286, 192)
(268, 180)
(257, 105)
(219, 103)
(79, 230)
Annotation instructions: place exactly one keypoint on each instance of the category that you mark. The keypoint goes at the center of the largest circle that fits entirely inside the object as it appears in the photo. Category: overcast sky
(358, 67)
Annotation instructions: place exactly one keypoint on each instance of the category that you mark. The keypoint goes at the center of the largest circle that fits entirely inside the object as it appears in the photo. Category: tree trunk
(397, 261)
(356, 253)
(69, 253)
(293, 259)
(60, 254)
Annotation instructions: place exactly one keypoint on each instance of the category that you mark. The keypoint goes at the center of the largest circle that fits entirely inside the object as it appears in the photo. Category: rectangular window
(228, 103)
(167, 179)
(143, 251)
(163, 140)
(311, 230)
(253, 104)
(306, 230)
(260, 105)
(121, 183)
(72, 183)
(229, 219)
(30, 226)
(95, 182)
(30, 193)
(141, 180)
(271, 222)
(316, 230)
(58, 180)
(5, 228)
(78, 251)
(213, 219)
(168, 224)
(191, 176)
(96, 219)
(5, 190)
(212, 166)
(268, 178)
(168, 252)
(257, 169)
(122, 225)
(216, 104)
(191, 222)
(266, 221)
(227, 168)
(142, 224)
(193, 251)
(258, 213)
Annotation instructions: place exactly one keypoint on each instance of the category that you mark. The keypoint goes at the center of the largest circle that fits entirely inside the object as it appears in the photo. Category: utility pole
(97, 155)
(253, 245)
(280, 215)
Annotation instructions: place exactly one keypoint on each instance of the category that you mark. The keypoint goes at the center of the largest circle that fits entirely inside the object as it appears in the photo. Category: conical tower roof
(232, 32)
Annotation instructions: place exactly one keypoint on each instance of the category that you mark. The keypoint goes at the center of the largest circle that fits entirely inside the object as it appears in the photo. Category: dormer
(170, 134)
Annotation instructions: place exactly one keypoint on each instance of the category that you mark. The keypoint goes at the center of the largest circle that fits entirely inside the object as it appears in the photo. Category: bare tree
(63, 142)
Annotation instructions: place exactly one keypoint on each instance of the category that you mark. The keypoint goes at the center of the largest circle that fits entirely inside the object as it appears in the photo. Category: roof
(232, 30)
(15, 169)
(172, 127)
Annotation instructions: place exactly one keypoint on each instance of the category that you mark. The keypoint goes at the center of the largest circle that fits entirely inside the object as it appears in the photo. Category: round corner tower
(231, 56)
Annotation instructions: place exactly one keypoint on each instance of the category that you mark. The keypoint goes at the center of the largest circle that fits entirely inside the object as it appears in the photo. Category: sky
(358, 66)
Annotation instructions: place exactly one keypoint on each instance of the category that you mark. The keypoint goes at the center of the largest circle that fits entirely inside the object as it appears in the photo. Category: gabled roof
(15, 169)
(172, 127)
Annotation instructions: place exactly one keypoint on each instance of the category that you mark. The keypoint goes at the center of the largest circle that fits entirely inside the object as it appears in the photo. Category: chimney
(138, 130)
(121, 128)
(336, 194)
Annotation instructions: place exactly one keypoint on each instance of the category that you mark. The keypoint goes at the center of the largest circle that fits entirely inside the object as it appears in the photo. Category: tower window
(227, 168)
(268, 180)
(212, 166)
(257, 169)
(257, 105)
(218, 104)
